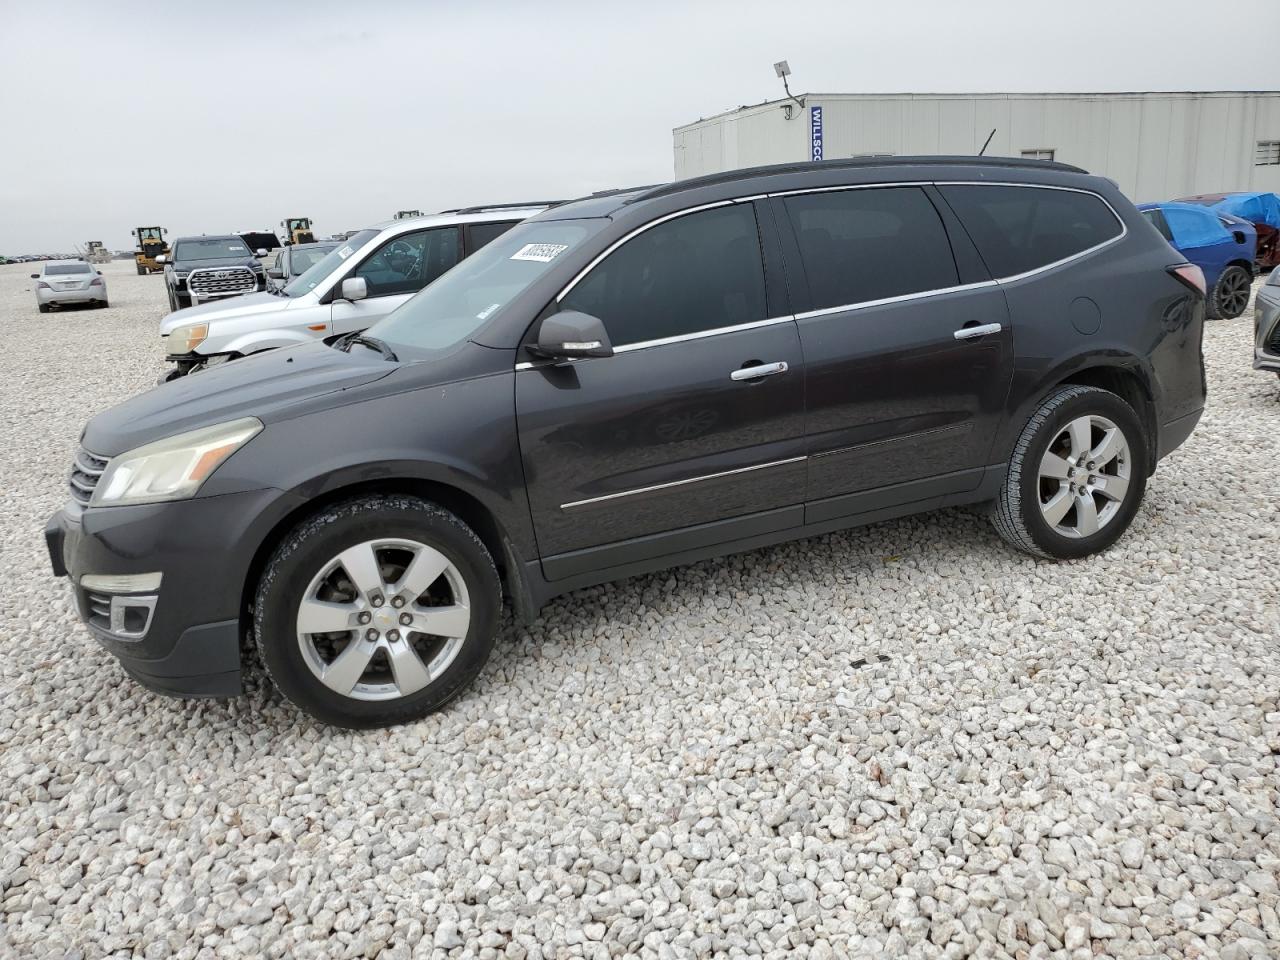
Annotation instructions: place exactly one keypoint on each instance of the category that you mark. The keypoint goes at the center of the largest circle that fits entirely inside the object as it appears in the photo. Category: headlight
(187, 337)
(1274, 279)
(173, 468)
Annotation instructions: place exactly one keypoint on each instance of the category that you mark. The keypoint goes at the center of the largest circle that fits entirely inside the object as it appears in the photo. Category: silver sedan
(61, 282)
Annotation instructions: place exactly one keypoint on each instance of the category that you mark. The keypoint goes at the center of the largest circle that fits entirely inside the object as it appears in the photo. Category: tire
(103, 304)
(44, 307)
(308, 565)
(1033, 493)
(172, 305)
(1230, 295)
(141, 269)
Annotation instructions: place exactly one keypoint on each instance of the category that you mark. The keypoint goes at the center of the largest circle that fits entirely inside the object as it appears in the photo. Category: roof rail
(486, 207)
(746, 173)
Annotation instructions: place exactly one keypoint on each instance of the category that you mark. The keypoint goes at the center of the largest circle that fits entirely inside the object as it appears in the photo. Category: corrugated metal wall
(1155, 145)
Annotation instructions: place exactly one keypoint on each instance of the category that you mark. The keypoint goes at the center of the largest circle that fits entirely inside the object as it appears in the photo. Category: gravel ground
(1054, 760)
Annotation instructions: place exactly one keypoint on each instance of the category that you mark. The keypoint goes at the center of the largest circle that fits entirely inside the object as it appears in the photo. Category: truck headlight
(186, 338)
(173, 468)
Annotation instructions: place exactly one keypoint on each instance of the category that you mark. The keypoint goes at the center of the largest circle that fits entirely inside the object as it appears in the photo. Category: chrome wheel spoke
(451, 621)
(361, 564)
(1086, 515)
(1112, 446)
(321, 616)
(1111, 487)
(423, 571)
(1080, 432)
(410, 672)
(1053, 467)
(1057, 506)
(348, 667)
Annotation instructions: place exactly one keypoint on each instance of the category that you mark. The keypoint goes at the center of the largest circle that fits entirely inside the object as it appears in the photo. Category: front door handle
(979, 330)
(759, 370)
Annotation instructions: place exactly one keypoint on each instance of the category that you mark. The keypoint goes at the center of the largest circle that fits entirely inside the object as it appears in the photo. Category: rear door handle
(981, 330)
(759, 370)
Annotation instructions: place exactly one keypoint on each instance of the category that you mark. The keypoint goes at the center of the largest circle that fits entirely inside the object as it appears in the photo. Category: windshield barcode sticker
(541, 252)
(345, 252)
(484, 314)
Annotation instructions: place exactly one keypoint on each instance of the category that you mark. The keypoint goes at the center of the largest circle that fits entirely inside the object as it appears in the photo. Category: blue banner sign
(815, 133)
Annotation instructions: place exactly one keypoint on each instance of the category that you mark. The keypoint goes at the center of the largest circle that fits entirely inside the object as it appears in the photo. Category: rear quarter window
(1017, 229)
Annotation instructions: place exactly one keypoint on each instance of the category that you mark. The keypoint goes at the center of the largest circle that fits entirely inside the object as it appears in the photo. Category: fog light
(121, 582)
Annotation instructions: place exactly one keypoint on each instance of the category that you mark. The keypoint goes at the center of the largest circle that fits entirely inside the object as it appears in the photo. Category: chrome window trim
(851, 186)
(904, 298)
(680, 483)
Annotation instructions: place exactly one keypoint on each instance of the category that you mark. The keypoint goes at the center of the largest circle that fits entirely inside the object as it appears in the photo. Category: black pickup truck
(207, 268)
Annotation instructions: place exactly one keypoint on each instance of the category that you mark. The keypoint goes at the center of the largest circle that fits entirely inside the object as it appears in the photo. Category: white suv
(362, 280)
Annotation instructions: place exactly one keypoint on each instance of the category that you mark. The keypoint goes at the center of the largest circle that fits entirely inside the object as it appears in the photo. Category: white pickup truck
(362, 280)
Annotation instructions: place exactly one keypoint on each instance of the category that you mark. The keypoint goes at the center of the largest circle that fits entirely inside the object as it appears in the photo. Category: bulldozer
(151, 244)
(298, 230)
(95, 252)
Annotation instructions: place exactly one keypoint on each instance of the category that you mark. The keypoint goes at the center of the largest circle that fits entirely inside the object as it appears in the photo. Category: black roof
(859, 163)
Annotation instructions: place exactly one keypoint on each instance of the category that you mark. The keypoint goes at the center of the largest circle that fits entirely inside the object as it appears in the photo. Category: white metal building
(1156, 145)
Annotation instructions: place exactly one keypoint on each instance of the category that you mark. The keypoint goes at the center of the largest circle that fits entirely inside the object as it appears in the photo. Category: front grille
(85, 473)
(1273, 341)
(210, 282)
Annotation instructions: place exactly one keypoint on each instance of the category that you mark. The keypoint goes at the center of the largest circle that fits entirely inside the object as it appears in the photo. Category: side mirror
(354, 288)
(571, 334)
(260, 252)
(35, 276)
(162, 259)
(98, 272)
(275, 273)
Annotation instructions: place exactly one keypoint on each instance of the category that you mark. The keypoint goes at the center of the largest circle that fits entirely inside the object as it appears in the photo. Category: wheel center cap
(384, 618)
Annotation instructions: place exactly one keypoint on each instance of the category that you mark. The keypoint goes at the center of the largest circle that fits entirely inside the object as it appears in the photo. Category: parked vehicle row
(356, 283)
(622, 383)
(1221, 245)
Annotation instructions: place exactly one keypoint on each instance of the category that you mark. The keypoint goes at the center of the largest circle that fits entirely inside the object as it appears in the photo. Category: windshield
(304, 258)
(327, 264)
(224, 249)
(57, 269)
(149, 233)
(456, 305)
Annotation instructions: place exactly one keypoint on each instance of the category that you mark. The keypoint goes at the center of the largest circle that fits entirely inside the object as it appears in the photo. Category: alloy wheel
(383, 619)
(1084, 476)
(1234, 296)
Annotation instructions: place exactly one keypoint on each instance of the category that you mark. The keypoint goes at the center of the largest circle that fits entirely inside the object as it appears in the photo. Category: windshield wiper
(373, 343)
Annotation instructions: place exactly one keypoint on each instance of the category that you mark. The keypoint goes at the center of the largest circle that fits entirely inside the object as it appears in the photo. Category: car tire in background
(346, 608)
(44, 307)
(1076, 476)
(1230, 295)
(140, 268)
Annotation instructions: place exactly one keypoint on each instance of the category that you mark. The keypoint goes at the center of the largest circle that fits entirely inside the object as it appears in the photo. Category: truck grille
(210, 282)
(85, 473)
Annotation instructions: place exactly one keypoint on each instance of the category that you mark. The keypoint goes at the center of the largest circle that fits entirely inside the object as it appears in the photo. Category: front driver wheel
(1076, 477)
(377, 611)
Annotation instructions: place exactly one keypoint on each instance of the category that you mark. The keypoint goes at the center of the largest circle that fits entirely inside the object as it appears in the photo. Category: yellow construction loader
(298, 230)
(151, 244)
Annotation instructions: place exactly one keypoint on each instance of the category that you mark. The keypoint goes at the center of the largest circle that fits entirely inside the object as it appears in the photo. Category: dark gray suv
(632, 381)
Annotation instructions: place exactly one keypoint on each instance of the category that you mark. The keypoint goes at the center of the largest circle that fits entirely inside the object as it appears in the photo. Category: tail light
(43, 286)
(95, 282)
(1192, 276)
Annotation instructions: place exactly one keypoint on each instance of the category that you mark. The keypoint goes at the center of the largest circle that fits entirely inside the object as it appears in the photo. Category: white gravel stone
(1053, 760)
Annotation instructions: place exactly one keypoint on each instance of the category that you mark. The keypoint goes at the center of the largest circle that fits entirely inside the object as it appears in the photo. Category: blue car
(1221, 245)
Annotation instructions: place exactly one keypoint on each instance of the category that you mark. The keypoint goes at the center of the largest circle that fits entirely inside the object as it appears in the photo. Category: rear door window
(698, 272)
(863, 245)
(1017, 229)
(482, 233)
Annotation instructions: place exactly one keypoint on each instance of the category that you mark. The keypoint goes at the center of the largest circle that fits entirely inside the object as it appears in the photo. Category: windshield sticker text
(345, 252)
(541, 252)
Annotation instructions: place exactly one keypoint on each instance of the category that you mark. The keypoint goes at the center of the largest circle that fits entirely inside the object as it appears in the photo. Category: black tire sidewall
(1215, 305)
(1100, 403)
(314, 544)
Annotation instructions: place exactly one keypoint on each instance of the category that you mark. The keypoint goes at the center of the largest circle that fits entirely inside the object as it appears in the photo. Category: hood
(270, 386)
(246, 305)
(253, 263)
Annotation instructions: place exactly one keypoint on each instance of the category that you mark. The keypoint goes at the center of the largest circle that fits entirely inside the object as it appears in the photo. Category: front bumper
(203, 549)
(1266, 318)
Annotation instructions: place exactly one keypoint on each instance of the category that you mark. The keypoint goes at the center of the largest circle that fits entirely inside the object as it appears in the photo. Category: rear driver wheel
(377, 611)
(1076, 477)
(1230, 295)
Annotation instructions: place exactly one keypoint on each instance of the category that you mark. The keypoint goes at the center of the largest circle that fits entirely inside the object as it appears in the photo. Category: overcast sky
(208, 117)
